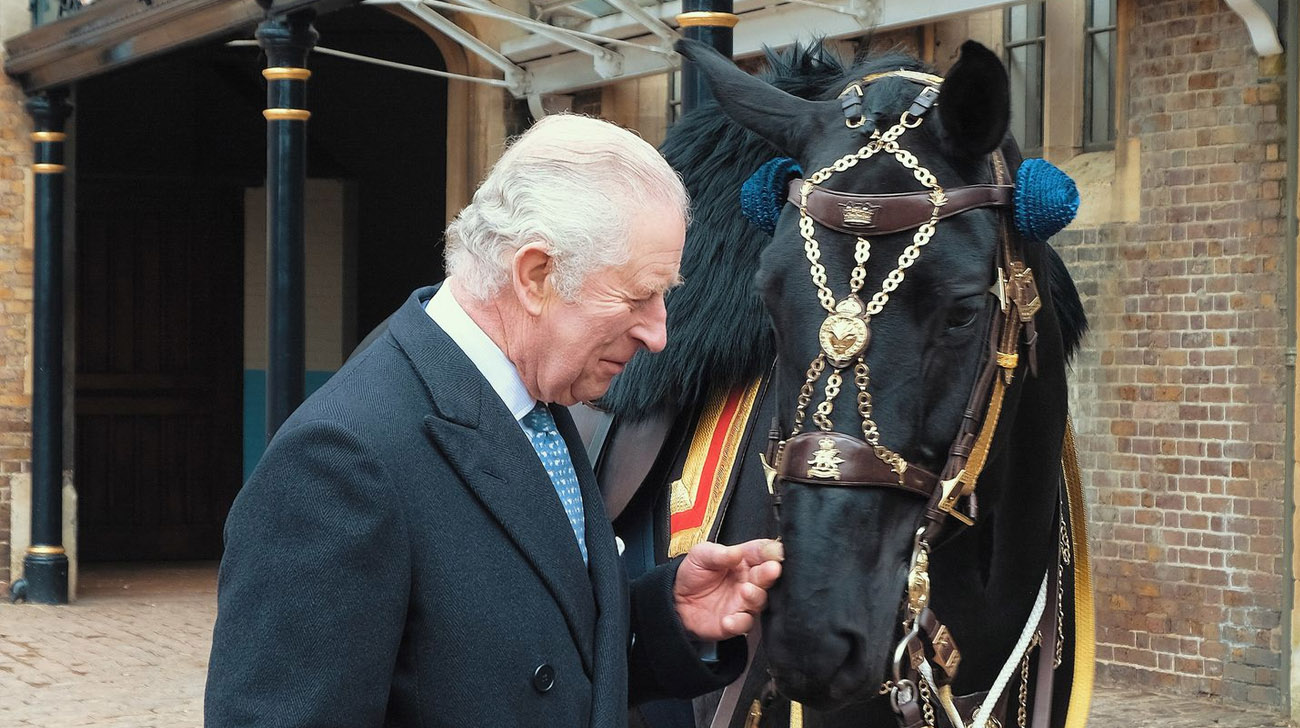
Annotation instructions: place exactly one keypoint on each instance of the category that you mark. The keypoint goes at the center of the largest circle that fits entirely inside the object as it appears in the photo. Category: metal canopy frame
(569, 45)
(582, 48)
(604, 54)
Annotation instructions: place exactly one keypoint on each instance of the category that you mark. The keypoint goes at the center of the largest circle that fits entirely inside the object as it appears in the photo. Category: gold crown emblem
(859, 214)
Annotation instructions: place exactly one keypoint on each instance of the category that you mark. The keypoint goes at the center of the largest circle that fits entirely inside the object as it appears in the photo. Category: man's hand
(721, 589)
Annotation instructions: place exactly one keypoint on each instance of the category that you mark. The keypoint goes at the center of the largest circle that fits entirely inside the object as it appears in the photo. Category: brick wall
(1180, 393)
(15, 303)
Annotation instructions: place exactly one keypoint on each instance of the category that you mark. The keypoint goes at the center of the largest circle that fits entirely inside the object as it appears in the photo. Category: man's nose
(652, 332)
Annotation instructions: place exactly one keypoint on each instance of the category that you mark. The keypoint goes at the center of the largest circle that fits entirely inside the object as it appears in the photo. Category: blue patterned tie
(554, 454)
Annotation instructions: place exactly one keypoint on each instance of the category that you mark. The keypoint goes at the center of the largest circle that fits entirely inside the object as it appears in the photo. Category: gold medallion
(844, 334)
(826, 461)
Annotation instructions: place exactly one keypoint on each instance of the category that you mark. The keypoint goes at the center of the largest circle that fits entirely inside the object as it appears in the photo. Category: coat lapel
(481, 440)
(609, 584)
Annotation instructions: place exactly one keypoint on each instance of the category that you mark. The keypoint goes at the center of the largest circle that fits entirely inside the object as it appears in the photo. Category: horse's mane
(1065, 299)
(719, 334)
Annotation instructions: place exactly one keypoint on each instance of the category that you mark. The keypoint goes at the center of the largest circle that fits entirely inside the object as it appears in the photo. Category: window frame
(1009, 45)
(1090, 33)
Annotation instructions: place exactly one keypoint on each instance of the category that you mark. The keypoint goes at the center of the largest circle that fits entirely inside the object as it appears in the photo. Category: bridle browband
(856, 214)
(927, 657)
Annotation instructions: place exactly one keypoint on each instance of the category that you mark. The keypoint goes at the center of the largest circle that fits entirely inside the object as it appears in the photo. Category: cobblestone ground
(132, 653)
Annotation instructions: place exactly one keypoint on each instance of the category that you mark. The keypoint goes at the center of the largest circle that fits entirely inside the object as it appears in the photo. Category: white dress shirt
(486, 355)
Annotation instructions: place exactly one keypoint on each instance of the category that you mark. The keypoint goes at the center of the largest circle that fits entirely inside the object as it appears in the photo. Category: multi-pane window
(1099, 75)
(1023, 39)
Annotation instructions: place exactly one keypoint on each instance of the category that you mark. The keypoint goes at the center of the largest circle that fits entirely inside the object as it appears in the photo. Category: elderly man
(423, 543)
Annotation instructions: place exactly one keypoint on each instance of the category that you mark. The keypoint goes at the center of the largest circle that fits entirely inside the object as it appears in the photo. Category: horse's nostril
(854, 654)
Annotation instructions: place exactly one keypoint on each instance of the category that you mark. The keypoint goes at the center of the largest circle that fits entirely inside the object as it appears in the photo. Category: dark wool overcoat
(399, 557)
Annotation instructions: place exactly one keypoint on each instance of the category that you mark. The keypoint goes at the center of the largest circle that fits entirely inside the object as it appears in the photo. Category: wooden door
(159, 384)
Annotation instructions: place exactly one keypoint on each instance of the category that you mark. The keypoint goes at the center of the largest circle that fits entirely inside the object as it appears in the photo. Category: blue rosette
(763, 195)
(1046, 200)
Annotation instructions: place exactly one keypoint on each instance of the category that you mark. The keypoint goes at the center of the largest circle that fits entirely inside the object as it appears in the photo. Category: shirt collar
(499, 371)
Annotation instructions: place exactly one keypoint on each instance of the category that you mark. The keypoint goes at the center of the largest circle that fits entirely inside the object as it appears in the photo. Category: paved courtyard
(132, 652)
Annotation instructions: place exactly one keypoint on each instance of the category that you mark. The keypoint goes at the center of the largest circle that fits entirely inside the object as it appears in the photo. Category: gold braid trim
(1076, 715)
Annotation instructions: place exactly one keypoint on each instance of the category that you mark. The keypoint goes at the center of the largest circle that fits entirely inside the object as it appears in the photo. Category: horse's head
(884, 311)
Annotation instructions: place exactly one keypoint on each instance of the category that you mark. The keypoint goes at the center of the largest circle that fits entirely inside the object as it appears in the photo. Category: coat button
(543, 678)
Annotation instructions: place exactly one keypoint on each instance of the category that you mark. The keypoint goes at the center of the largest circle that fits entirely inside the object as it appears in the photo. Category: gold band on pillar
(707, 19)
(47, 168)
(45, 550)
(281, 73)
(48, 136)
(286, 114)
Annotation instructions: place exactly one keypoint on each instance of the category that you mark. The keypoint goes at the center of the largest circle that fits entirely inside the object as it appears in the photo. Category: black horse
(958, 328)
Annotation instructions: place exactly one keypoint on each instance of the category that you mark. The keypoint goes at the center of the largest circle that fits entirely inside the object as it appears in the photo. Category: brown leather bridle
(858, 464)
(1018, 299)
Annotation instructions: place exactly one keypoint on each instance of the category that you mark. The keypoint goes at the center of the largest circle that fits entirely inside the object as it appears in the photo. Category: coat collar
(483, 442)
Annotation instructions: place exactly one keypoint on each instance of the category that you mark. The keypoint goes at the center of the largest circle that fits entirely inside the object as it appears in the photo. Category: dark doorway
(166, 153)
(158, 407)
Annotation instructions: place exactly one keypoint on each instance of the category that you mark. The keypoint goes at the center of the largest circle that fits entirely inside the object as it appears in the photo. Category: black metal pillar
(286, 42)
(708, 21)
(45, 566)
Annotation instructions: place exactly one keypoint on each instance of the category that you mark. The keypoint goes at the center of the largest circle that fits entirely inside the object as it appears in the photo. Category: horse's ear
(780, 118)
(975, 102)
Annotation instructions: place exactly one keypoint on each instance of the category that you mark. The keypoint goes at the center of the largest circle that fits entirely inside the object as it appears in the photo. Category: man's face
(582, 344)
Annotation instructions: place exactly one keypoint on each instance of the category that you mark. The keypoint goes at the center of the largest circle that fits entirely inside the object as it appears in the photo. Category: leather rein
(926, 659)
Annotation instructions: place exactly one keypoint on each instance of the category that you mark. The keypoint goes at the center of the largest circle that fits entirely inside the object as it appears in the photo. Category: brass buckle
(1024, 292)
(953, 490)
(769, 472)
(999, 290)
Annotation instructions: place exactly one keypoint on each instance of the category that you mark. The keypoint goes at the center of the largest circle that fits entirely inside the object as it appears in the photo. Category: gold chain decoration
(846, 332)
(806, 391)
(1022, 713)
(1060, 595)
(923, 687)
(871, 433)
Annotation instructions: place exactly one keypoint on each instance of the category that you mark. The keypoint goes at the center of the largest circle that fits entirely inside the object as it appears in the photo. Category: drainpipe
(1291, 228)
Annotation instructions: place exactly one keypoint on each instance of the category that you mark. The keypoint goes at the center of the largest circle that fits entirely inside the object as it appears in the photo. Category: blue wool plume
(1046, 200)
(763, 195)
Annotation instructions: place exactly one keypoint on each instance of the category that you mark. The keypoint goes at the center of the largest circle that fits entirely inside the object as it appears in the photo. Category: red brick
(1182, 380)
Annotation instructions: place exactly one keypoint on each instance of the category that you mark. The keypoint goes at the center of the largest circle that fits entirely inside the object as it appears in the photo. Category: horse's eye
(963, 314)
(961, 319)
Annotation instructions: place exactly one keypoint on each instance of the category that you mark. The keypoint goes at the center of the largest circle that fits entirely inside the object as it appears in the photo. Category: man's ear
(530, 270)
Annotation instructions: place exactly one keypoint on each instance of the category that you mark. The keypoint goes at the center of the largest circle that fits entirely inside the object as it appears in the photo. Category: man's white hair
(572, 182)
